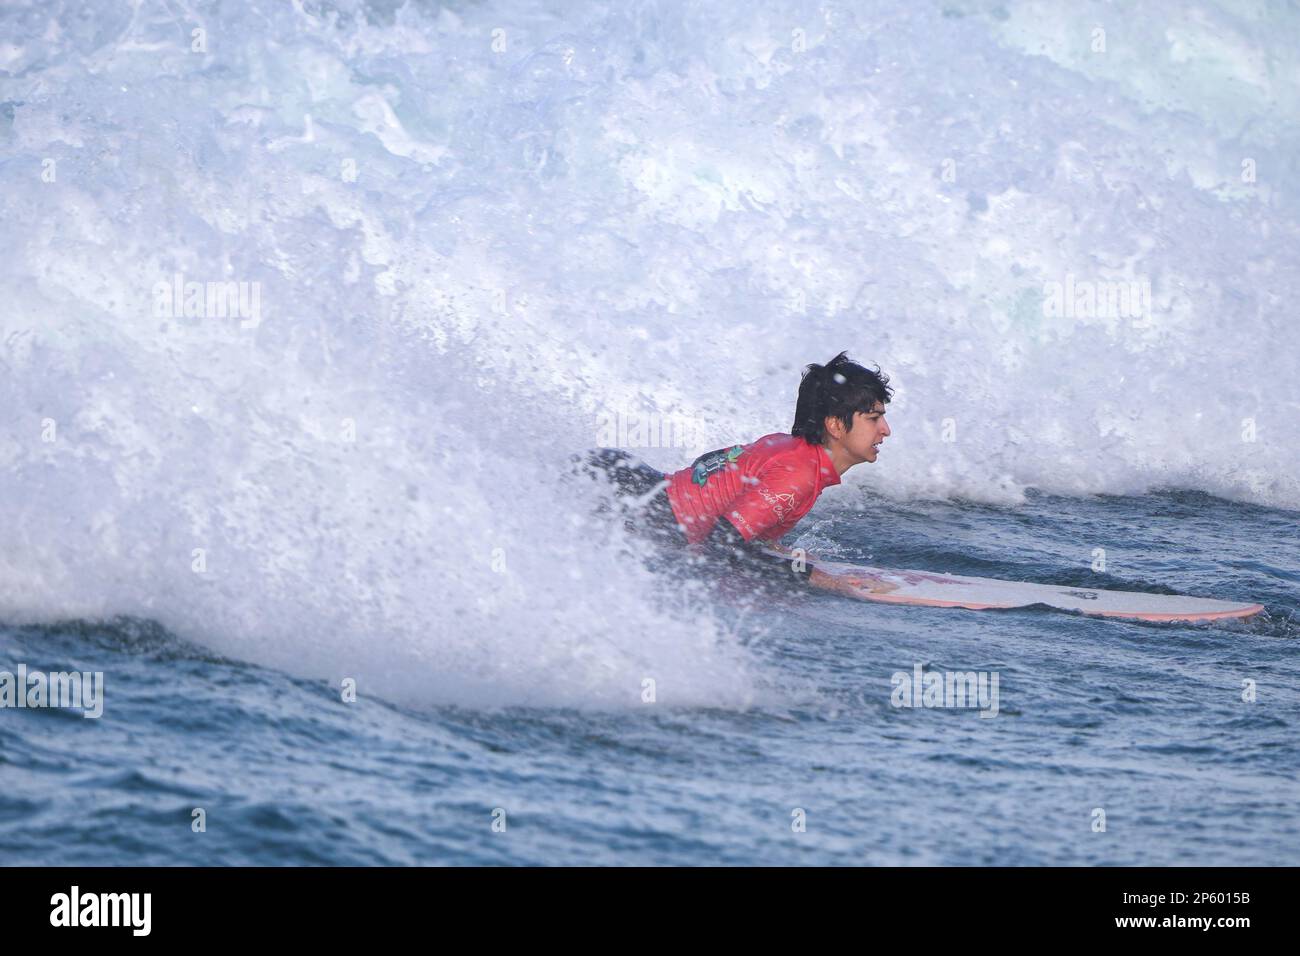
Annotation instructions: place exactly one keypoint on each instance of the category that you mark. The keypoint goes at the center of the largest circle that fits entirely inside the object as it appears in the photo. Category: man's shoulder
(789, 456)
(786, 448)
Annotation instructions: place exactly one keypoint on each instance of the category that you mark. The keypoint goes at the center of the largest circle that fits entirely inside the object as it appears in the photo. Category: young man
(735, 503)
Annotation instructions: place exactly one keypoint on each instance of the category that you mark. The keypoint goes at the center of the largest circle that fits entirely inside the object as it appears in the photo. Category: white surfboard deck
(925, 588)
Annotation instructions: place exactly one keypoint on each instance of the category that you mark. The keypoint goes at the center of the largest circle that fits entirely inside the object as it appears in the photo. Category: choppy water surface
(1145, 721)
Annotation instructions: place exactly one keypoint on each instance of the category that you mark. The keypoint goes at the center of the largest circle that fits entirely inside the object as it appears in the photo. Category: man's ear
(834, 427)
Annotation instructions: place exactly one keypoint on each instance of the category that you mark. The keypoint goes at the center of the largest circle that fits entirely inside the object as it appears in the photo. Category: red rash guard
(762, 488)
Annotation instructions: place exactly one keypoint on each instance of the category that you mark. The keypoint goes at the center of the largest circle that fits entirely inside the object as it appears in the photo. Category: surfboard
(928, 589)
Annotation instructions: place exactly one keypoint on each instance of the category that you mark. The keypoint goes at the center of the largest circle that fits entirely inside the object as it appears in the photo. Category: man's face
(869, 430)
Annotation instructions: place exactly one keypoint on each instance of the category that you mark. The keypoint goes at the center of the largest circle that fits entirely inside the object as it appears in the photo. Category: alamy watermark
(73, 690)
(174, 298)
(618, 428)
(75, 908)
(922, 688)
(1104, 299)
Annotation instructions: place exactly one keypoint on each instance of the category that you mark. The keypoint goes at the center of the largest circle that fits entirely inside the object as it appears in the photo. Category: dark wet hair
(837, 389)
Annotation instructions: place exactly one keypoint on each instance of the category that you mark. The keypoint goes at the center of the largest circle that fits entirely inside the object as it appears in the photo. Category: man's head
(842, 406)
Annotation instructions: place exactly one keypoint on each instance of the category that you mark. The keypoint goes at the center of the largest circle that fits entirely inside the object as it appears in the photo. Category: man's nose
(886, 432)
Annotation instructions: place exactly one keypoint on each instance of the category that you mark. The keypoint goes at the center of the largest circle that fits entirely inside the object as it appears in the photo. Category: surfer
(734, 503)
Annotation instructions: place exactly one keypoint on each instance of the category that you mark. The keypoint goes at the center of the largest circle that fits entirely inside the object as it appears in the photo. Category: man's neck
(839, 458)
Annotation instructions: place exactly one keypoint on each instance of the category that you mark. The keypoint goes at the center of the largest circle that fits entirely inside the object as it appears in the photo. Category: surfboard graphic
(928, 589)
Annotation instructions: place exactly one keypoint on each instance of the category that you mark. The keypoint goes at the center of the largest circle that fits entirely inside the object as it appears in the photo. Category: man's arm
(726, 544)
(741, 537)
(752, 560)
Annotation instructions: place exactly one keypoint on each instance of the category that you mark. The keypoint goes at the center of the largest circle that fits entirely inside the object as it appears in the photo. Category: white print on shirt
(742, 525)
(781, 504)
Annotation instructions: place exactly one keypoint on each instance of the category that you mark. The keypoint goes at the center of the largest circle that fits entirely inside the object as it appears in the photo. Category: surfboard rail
(937, 589)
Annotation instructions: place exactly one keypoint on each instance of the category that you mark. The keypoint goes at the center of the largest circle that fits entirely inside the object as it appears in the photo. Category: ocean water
(1144, 721)
(473, 238)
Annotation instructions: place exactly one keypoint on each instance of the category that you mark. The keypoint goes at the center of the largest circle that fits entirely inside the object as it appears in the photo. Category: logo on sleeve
(714, 461)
